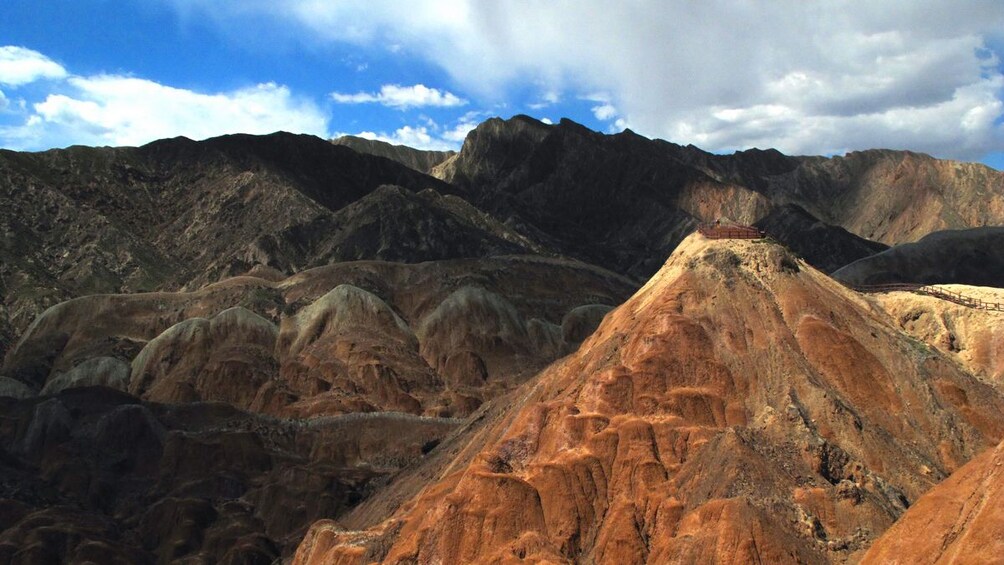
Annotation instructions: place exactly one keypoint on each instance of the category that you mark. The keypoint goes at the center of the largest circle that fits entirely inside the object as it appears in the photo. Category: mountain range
(253, 348)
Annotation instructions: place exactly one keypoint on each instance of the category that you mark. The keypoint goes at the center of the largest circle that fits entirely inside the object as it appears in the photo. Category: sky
(823, 77)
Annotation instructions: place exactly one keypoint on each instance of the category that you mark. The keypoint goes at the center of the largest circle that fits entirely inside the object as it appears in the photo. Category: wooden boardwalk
(934, 291)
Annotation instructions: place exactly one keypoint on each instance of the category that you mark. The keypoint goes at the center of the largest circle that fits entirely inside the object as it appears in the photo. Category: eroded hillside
(741, 407)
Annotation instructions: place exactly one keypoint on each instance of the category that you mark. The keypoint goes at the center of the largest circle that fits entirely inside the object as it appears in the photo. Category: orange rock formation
(958, 521)
(741, 407)
(971, 336)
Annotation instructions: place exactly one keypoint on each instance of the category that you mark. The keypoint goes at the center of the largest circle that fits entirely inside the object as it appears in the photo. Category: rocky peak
(493, 148)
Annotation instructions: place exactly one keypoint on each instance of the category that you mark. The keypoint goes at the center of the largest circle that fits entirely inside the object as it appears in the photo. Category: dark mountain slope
(421, 161)
(974, 257)
(894, 196)
(94, 475)
(620, 201)
(824, 246)
(172, 213)
(624, 201)
(390, 224)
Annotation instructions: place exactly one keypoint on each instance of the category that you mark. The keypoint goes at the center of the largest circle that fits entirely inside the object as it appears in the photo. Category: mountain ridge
(423, 161)
(295, 332)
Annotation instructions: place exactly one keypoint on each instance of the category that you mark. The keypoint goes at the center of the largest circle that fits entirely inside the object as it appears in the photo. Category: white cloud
(604, 112)
(402, 97)
(458, 133)
(463, 126)
(603, 97)
(417, 137)
(549, 98)
(117, 110)
(803, 77)
(19, 65)
(430, 137)
(3, 101)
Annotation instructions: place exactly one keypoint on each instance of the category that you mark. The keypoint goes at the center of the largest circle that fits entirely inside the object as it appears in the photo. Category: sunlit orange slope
(740, 408)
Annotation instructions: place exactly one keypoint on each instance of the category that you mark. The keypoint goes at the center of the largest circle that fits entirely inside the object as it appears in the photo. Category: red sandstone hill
(958, 521)
(971, 336)
(741, 407)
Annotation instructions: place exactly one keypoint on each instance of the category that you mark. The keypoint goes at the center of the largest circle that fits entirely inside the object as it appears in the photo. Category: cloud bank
(805, 77)
(122, 110)
(19, 65)
(117, 110)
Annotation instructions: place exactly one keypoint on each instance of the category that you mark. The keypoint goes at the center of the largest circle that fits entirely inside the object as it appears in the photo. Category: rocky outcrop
(227, 358)
(972, 257)
(958, 521)
(350, 352)
(11, 388)
(741, 406)
(391, 224)
(625, 202)
(971, 336)
(96, 371)
(611, 200)
(582, 321)
(893, 197)
(118, 326)
(479, 325)
(189, 354)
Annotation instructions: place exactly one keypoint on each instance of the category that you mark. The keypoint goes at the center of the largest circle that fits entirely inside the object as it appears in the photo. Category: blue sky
(808, 78)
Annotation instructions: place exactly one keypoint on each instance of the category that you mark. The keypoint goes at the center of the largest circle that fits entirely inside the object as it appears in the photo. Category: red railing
(936, 292)
(719, 231)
